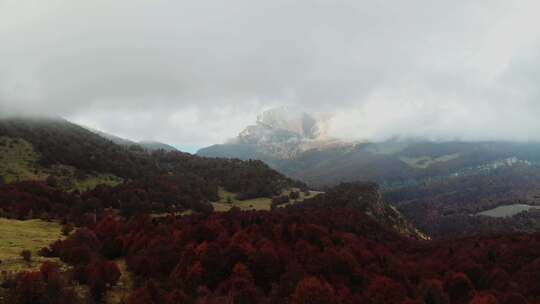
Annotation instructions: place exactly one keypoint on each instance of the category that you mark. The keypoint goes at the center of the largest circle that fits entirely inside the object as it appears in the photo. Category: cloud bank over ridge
(197, 72)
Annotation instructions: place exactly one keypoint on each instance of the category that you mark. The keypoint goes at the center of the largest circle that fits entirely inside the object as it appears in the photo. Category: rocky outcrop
(284, 133)
(365, 197)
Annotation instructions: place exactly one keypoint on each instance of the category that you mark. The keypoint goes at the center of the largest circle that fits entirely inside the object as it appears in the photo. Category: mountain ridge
(61, 144)
(149, 145)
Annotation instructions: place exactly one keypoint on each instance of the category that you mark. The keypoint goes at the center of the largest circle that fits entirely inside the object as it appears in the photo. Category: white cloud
(196, 72)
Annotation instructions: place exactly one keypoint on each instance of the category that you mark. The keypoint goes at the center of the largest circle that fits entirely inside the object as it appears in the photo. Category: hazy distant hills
(146, 144)
(440, 186)
(156, 145)
(278, 134)
(33, 150)
(396, 164)
(285, 145)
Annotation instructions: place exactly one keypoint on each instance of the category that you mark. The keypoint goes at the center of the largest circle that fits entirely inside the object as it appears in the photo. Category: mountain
(156, 145)
(55, 142)
(73, 159)
(367, 198)
(278, 134)
(445, 187)
(78, 159)
(148, 145)
(294, 143)
(393, 163)
(346, 245)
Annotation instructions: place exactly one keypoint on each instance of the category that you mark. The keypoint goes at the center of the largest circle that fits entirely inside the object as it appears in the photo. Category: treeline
(300, 255)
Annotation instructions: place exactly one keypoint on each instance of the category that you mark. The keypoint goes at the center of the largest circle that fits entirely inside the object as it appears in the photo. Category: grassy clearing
(17, 161)
(302, 197)
(32, 235)
(121, 291)
(228, 200)
(183, 213)
(423, 162)
(92, 181)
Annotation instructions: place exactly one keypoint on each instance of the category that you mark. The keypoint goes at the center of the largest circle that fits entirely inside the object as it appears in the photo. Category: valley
(269, 152)
(507, 210)
(165, 226)
(454, 182)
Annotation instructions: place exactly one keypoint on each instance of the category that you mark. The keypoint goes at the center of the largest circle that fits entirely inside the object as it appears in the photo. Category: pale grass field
(32, 235)
(262, 203)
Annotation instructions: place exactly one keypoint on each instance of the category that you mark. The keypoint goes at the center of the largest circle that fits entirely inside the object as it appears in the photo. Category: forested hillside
(151, 237)
(60, 156)
(391, 164)
(452, 207)
(303, 255)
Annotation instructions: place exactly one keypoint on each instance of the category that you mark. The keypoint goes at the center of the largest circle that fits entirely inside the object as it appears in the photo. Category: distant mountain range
(441, 186)
(278, 134)
(146, 144)
(73, 158)
(295, 145)
(155, 211)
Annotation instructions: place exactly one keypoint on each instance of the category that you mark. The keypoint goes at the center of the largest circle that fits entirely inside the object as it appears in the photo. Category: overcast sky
(194, 73)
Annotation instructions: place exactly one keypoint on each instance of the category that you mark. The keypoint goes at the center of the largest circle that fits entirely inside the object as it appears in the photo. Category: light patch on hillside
(387, 148)
(424, 162)
(120, 292)
(228, 200)
(18, 161)
(32, 235)
(92, 181)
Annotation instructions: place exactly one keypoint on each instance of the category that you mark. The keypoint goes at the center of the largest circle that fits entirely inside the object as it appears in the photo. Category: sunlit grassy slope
(92, 181)
(228, 200)
(17, 161)
(32, 235)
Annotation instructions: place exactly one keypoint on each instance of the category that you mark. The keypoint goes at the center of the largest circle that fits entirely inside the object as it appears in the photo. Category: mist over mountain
(374, 152)
(285, 132)
(447, 71)
(292, 143)
(150, 145)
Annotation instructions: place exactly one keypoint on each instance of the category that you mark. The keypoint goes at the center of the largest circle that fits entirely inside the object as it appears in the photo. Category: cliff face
(296, 122)
(365, 196)
(284, 133)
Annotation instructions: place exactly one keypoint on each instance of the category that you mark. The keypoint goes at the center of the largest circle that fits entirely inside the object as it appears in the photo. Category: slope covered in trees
(340, 247)
(155, 182)
(392, 163)
(61, 142)
(302, 255)
(438, 185)
(450, 207)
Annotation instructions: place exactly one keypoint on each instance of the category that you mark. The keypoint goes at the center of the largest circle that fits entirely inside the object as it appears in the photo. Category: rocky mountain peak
(285, 118)
(284, 132)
